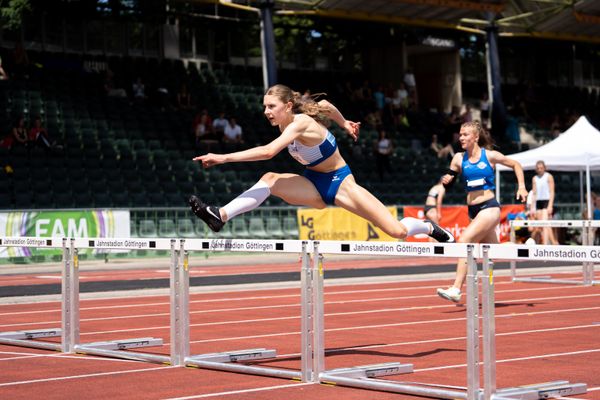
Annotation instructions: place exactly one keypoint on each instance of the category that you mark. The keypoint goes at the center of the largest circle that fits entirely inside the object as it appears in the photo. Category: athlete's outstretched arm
(258, 153)
(497, 157)
(335, 115)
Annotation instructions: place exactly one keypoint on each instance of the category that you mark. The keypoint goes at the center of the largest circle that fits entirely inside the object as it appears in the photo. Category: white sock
(415, 226)
(248, 200)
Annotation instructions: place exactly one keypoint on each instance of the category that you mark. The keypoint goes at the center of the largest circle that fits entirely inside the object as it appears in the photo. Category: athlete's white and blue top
(479, 176)
(327, 183)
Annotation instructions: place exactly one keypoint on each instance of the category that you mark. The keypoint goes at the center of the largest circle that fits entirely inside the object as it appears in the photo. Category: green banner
(101, 223)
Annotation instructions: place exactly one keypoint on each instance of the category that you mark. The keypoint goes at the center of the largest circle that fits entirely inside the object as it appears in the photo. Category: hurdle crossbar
(231, 360)
(587, 268)
(26, 338)
(514, 252)
(118, 348)
(364, 376)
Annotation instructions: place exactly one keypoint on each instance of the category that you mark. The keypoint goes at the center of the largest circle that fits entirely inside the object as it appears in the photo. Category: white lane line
(63, 378)
(570, 353)
(64, 355)
(243, 391)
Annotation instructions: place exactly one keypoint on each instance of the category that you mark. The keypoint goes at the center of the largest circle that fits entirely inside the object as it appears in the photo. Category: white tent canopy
(576, 149)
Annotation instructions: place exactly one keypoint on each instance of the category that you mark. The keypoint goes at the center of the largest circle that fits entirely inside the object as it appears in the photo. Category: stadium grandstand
(75, 64)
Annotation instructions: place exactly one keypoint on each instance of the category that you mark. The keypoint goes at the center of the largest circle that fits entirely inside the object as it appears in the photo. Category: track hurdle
(514, 252)
(232, 360)
(25, 338)
(118, 348)
(587, 268)
(365, 376)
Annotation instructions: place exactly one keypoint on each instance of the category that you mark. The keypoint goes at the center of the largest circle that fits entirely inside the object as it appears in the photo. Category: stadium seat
(274, 228)
(239, 228)
(290, 227)
(147, 228)
(185, 228)
(166, 228)
(256, 228)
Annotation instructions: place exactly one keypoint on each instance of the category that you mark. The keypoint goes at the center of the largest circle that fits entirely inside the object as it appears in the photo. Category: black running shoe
(206, 213)
(440, 234)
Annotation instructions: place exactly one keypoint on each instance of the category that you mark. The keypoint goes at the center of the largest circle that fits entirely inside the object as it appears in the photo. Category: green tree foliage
(12, 12)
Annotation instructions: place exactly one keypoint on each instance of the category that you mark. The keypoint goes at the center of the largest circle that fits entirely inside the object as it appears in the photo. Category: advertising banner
(73, 224)
(334, 223)
(456, 219)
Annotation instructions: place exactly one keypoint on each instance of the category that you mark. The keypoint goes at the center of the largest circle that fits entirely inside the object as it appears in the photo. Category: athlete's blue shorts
(328, 183)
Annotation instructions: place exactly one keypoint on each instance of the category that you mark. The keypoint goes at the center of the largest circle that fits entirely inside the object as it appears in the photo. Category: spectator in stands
(203, 131)
(233, 132)
(38, 135)
(383, 151)
(3, 74)
(435, 145)
(409, 80)
(476, 163)
(138, 90)
(327, 178)
(18, 135)
(467, 115)
(219, 124)
(379, 98)
(433, 202)
(542, 186)
(595, 216)
(484, 108)
(184, 98)
(110, 86)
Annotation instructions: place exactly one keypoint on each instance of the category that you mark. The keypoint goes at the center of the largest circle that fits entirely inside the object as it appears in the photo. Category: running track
(545, 332)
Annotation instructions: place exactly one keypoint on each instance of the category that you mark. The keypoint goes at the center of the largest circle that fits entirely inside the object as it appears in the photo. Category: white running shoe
(452, 294)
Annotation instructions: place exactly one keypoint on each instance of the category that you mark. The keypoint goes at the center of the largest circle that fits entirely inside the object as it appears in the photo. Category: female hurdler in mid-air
(327, 179)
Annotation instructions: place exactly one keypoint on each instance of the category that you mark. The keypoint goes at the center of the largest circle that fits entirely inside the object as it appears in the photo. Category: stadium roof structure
(572, 20)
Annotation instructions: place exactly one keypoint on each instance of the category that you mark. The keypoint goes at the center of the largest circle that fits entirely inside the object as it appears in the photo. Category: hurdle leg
(513, 263)
(472, 326)
(489, 325)
(308, 319)
(319, 312)
(179, 313)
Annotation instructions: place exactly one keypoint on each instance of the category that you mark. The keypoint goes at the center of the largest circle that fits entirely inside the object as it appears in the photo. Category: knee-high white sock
(415, 226)
(248, 200)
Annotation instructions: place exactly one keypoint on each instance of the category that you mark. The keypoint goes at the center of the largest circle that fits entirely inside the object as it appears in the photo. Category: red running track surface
(545, 332)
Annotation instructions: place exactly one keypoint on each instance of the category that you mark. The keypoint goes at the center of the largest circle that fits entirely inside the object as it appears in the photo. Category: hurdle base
(541, 391)
(373, 370)
(32, 334)
(235, 356)
(117, 349)
(548, 279)
(417, 389)
(124, 344)
(25, 338)
(228, 361)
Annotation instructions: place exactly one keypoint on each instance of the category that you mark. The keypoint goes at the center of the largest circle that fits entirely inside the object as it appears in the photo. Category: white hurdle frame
(229, 360)
(515, 252)
(117, 348)
(587, 268)
(24, 338)
(363, 376)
